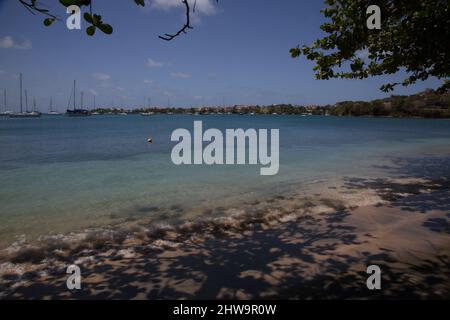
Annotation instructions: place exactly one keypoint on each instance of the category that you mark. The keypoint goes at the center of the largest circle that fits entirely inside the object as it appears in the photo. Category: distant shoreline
(425, 105)
(106, 112)
(110, 113)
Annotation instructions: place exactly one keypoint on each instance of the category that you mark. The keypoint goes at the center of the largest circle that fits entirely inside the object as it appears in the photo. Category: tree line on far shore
(427, 104)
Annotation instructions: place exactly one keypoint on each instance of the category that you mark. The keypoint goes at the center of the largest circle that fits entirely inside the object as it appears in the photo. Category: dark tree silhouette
(413, 37)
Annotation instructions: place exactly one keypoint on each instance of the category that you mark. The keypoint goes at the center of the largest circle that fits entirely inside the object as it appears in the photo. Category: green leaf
(48, 21)
(90, 30)
(106, 28)
(88, 18)
(295, 52)
(96, 19)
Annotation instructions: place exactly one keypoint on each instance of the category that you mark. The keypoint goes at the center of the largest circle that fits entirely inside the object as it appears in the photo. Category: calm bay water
(61, 174)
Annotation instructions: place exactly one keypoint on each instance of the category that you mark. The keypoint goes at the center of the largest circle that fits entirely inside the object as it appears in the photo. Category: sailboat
(21, 114)
(34, 113)
(5, 112)
(148, 113)
(95, 113)
(51, 112)
(76, 112)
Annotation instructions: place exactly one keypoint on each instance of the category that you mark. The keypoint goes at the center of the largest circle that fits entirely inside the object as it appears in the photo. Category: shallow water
(61, 174)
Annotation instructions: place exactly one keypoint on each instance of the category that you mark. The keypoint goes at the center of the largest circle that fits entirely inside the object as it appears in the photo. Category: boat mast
(21, 104)
(26, 100)
(34, 104)
(51, 105)
(81, 101)
(74, 95)
(4, 99)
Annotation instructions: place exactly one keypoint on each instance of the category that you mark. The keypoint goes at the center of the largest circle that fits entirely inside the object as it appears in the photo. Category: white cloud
(180, 75)
(202, 7)
(8, 42)
(101, 76)
(25, 45)
(93, 92)
(206, 7)
(146, 81)
(2, 71)
(153, 63)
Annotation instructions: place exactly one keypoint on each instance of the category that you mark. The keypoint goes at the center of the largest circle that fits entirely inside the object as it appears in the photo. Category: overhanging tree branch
(33, 8)
(413, 38)
(186, 26)
(95, 20)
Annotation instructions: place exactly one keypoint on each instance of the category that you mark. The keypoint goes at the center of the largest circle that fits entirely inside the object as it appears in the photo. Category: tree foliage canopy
(95, 20)
(414, 37)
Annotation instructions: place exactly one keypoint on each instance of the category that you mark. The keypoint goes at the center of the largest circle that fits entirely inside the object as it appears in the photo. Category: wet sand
(289, 247)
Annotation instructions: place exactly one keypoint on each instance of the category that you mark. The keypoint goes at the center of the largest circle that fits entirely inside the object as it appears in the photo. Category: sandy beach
(286, 247)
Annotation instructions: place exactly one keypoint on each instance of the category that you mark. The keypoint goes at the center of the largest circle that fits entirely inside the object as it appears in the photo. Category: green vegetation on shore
(237, 109)
(428, 104)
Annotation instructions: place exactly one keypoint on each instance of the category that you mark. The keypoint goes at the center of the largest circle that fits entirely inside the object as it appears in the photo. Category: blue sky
(238, 53)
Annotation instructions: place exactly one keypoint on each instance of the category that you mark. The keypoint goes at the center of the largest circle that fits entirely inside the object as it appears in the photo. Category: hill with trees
(427, 104)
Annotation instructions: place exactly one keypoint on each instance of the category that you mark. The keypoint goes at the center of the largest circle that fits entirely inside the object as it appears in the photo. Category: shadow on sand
(311, 257)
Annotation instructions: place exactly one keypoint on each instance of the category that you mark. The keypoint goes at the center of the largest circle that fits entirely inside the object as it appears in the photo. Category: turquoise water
(61, 174)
